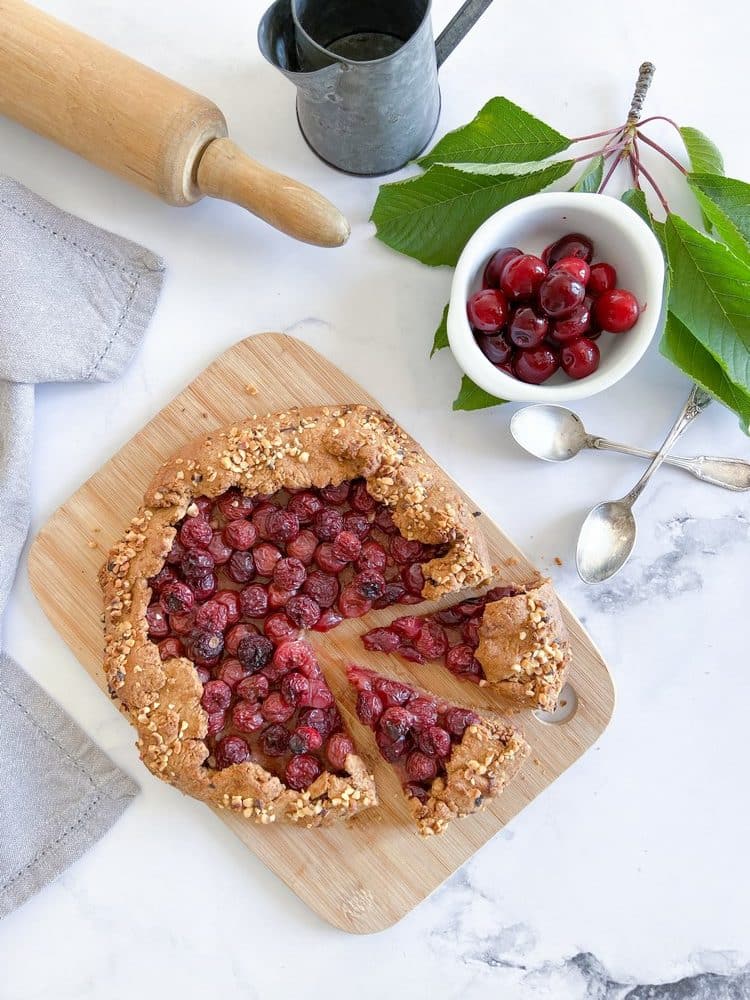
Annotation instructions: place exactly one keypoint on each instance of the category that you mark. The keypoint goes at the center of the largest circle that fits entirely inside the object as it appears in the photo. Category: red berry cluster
(450, 636)
(534, 315)
(244, 576)
(413, 731)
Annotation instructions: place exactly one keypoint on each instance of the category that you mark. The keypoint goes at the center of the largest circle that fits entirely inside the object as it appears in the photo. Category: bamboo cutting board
(364, 877)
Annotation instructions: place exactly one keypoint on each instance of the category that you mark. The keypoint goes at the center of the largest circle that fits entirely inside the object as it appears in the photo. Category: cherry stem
(606, 151)
(597, 135)
(655, 186)
(635, 164)
(588, 156)
(660, 149)
(661, 118)
(613, 167)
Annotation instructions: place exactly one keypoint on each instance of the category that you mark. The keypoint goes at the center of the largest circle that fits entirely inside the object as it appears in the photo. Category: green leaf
(711, 296)
(501, 132)
(682, 349)
(431, 217)
(726, 204)
(705, 158)
(636, 199)
(591, 177)
(471, 397)
(441, 334)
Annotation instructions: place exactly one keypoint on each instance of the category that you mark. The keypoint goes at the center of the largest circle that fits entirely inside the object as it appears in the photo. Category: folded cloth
(74, 304)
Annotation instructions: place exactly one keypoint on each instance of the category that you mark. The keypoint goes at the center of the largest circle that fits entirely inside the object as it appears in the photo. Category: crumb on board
(558, 561)
(251, 389)
(91, 543)
(512, 561)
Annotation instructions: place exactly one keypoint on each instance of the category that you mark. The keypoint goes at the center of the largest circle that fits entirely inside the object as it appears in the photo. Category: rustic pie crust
(310, 447)
(524, 648)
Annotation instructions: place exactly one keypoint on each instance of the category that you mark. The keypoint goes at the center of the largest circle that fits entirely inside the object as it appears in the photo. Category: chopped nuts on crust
(298, 448)
(524, 648)
(480, 766)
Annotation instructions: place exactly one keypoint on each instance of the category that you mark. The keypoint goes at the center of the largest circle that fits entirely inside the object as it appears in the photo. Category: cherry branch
(622, 142)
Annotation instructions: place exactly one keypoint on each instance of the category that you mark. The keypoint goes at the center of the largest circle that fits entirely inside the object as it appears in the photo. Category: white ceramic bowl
(620, 237)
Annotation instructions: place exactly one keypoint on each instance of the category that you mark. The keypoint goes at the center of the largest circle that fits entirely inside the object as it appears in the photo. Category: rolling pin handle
(226, 172)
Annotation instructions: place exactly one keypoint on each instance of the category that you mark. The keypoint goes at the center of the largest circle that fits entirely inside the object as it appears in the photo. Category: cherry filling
(272, 705)
(414, 732)
(450, 636)
(243, 578)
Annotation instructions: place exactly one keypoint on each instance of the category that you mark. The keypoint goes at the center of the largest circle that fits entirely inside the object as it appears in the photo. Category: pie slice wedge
(510, 638)
(450, 760)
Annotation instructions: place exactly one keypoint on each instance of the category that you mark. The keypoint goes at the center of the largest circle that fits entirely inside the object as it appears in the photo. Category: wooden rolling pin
(143, 126)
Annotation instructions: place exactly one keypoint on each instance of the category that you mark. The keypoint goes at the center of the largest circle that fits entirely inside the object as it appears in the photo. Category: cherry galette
(450, 760)
(281, 525)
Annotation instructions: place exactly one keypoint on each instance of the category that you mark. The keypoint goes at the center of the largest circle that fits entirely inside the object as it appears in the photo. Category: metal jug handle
(458, 27)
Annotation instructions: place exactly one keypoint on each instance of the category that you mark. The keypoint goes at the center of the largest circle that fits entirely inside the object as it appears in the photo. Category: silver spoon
(556, 434)
(608, 534)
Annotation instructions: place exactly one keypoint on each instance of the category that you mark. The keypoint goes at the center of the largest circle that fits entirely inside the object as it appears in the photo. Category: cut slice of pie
(512, 638)
(450, 760)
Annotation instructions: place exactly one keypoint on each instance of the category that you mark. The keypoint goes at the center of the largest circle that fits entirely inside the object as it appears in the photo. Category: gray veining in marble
(674, 572)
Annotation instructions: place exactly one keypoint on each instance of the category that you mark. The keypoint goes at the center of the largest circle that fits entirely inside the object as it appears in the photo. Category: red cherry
(560, 293)
(493, 272)
(570, 245)
(617, 310)
(487, 310)
(527, 329)
(601, 279)
(536, 365)
(575, 266)
(579, 358)
(572, 326)
(522, 276)
(496, 349)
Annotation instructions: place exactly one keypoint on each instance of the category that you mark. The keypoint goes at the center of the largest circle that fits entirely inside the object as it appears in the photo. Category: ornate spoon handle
(729, 473)
(696, 402)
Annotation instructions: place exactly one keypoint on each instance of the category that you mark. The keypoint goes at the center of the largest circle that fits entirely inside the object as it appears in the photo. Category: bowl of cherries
(556, 297)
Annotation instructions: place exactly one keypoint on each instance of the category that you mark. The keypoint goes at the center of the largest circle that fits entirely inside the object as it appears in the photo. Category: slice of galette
(511, 638)
(450, 760)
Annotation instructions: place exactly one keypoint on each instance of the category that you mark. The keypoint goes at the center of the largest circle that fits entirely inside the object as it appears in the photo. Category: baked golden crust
(524, 648)
(479, 767)
(298, 448)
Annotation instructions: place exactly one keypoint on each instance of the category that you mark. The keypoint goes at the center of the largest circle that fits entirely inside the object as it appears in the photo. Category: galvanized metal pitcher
(368, 98)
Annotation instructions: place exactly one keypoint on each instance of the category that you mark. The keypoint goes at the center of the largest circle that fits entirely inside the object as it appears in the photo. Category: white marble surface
(638, 856)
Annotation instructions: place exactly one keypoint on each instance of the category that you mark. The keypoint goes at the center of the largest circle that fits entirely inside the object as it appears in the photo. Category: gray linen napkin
(74, 304)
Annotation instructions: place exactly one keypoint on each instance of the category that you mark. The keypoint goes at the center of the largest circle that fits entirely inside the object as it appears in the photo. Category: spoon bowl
(552, 433)
(606, 540)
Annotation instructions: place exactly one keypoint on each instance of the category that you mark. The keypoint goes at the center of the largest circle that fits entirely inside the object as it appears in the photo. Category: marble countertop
(632, 870)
